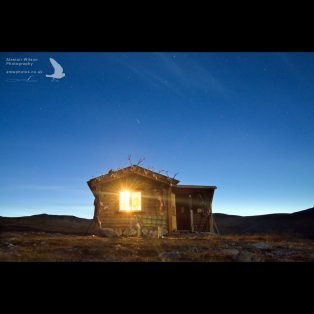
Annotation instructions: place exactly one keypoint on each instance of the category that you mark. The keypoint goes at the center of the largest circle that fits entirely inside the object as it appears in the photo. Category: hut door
(183, 213)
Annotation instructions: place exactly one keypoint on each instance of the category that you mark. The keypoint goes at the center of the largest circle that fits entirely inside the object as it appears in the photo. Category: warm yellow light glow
(136, 201)
(130, 201)
(125, 201)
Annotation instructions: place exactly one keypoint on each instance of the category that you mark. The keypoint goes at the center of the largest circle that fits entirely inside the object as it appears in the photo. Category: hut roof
(113, 175)
(207, 187)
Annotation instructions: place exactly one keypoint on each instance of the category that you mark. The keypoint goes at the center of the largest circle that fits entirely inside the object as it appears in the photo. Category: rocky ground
(43, 246)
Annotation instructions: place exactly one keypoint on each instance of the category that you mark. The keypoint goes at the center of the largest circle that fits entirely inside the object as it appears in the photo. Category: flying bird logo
(58, 70)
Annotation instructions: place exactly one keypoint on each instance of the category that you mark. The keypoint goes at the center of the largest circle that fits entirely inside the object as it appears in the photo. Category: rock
(11, 246)
(119, 232)
(129, 232)
(161, 231)
(170, 255)
(245, 256)
(138, 230)
(262, 245)
(197, 249)
(144, 231)
(133, 232)
(284, 252)
(154, 233)
(107, 232)
(232, 252)
(74, 249)
(164, 231)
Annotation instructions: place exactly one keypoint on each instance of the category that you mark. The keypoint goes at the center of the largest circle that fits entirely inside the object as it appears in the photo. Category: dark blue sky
(240, 121)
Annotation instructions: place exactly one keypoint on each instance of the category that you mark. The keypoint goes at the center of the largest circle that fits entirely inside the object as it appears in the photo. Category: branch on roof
(141, 160)
(130, 159)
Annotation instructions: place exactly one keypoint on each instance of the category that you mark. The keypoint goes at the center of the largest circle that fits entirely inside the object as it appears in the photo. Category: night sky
(241, 121)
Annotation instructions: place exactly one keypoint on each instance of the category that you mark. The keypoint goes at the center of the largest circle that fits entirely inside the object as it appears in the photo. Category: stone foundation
(149, 232)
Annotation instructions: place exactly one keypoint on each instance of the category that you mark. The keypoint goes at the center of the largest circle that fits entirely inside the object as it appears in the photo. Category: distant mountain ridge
(299, 223)
(46, 223)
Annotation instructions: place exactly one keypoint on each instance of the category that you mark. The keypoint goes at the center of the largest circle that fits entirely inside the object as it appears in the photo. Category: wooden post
(159, 234)
(172, 223)
(211, 223)
(192, 220)
(191, 213)
(169, 210)
(211, 217)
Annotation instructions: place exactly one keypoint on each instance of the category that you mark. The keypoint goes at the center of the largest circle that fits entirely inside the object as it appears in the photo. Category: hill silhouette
(299, 224)
(46, 223)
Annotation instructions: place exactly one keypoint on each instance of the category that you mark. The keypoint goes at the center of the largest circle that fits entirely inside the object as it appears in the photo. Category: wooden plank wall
(182, 199)
(154, 203)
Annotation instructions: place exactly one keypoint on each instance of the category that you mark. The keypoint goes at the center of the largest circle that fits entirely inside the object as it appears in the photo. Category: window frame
(131, 210)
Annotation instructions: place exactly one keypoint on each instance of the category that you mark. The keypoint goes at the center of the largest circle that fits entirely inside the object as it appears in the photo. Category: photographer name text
(20, 61)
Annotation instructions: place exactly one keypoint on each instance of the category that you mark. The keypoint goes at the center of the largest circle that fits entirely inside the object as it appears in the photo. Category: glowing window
(130, 201)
